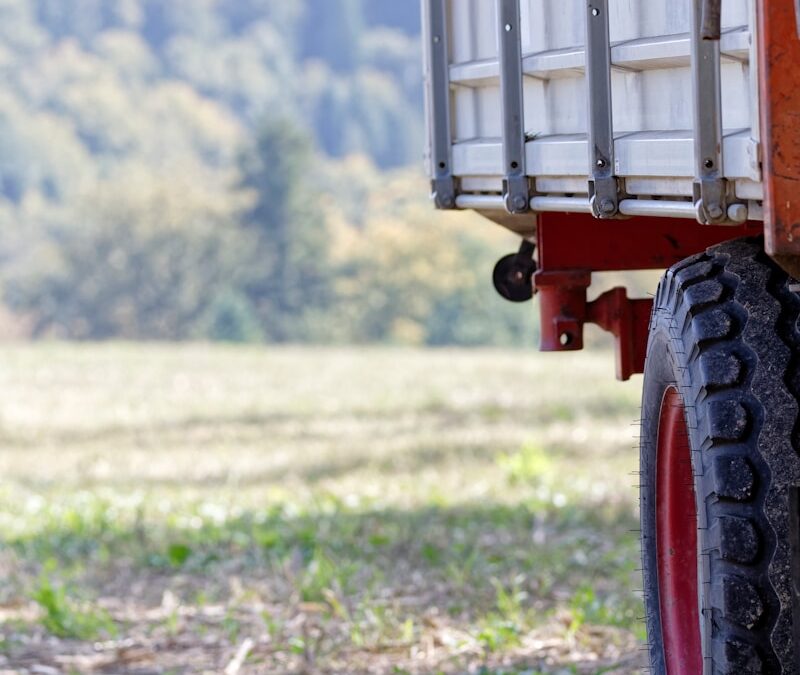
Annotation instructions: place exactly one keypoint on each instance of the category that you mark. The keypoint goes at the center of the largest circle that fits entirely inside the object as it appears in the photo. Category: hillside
(249, 170)
(94, 86)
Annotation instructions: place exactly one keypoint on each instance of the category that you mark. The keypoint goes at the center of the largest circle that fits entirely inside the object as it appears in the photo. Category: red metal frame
(779, 95)
(571, 247)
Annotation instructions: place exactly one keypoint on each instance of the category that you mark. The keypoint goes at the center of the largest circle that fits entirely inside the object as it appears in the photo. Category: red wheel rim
(676, 541)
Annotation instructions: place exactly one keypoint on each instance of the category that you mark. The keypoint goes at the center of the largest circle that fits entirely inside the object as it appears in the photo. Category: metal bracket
(516, 186)
(443, 184)
(603, 185)
(565, 310)
(572, 246)
(710, 188)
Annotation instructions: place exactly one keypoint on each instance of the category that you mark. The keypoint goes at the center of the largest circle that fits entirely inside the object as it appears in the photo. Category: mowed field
(190, 509)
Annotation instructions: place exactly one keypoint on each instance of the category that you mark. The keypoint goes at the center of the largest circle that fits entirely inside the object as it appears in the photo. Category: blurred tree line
(244, 171)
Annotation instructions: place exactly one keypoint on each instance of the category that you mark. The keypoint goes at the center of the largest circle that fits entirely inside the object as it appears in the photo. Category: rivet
(519, 202)
(607, 207)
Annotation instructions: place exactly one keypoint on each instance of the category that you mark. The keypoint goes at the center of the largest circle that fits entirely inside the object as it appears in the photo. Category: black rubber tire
(724, 333)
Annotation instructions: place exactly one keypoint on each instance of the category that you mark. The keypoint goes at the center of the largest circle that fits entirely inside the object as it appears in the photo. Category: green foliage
(289, 275)
(503, 627)
(588, 607)
(531, 464)
(248, 55)
(230, 318)
(178, 554)
(402, 278)
(221, 170)
(323, 578)
(140, 266)
(64, 617)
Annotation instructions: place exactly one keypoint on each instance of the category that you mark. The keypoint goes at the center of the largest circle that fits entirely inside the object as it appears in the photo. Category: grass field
(189, 509)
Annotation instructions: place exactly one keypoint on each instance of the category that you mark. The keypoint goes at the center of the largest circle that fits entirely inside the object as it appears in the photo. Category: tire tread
(733, 323)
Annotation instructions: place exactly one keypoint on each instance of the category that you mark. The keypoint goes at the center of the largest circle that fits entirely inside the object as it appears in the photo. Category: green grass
(347, 510)
(63, 617)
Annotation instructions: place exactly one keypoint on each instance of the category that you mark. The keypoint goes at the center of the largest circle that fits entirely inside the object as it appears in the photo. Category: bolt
(709, 164)
(519, 202)
(601, 163)
(519, 276)
(737, 213)
(447, 202)
(595, 11)
(714, 211)
(607, 207)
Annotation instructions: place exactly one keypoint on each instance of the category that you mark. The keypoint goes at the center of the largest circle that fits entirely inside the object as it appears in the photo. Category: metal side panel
(653, 106)
(644, 154)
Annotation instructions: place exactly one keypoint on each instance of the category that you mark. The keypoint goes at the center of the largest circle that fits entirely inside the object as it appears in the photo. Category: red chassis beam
(779, 97)
(571, 247)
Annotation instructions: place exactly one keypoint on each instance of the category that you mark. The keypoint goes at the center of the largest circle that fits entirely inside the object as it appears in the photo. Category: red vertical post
(779, 89)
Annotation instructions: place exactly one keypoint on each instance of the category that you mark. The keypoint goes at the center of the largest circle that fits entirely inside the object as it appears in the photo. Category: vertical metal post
(709, 187)
(516, 186)
(603, 185)
(437, 78)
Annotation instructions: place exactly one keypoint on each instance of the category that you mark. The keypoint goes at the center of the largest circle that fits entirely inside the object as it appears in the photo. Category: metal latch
(603, 185)
(516, 186)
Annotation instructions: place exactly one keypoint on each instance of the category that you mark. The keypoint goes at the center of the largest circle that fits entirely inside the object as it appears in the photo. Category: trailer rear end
(624, 135)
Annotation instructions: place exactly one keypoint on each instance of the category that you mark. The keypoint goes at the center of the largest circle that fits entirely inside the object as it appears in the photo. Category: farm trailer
(654, 134)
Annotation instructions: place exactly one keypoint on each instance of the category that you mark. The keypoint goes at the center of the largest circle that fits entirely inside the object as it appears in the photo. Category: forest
(237, 171)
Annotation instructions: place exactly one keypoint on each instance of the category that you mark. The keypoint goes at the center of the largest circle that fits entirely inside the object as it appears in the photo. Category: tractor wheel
(720, 467)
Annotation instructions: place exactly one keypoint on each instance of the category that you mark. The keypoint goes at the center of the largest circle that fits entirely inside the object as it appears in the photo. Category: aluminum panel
(652, 99)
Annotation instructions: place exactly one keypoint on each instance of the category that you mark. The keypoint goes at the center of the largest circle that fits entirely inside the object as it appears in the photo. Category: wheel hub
(676, 541)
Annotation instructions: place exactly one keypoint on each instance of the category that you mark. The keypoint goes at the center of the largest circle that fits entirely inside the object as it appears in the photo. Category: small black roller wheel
(513, 275)
(720, 467)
